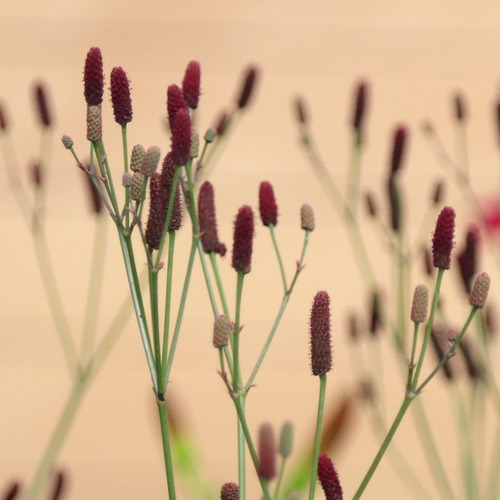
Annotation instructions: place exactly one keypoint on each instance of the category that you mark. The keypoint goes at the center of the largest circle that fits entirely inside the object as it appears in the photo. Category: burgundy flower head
(320, 336)
(222, 122)
(175, 102)
(359, 107)
(181, 137)
(400, 139)
(94, 196)
(157, 212)
(467, 258)
(243, 239)
(267, 204)
(459, 107)
(329, 478)
(207, 221)
(93, 77)
(267, 452)
(42, 105)
(191, 84)
(120, 96)
(247, 88)
(442, 240)
(230, 491)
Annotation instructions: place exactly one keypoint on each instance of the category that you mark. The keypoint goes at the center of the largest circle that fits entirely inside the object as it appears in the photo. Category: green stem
(155, 325)
(278, 255)
(125, 170)
(167, 452)
(220, 286)
(354, 174)
(168, 297)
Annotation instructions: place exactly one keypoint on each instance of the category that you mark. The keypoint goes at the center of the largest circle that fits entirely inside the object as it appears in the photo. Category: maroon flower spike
(243, 239)
(467, 258)
(59, 486)
(175, 102)
(300, 111)
(42, 105)
(191, 84)
(36, 174)
(329, 478)
(94, 196)
(208, 222)
(267, 204)
(247, 88)
(320, 337)
(168, 170)
(459, 107)
(12, 492)
(176, 217)
(371, 205)
(375, 316)
(399, 145)
(4, 123)
(157, 211)
(438, 338)
(93, 77)
(267, 452)
(359, 108)
(120, 96)
(230, 491)
(181, 137)
(221, 125)
(442, 240)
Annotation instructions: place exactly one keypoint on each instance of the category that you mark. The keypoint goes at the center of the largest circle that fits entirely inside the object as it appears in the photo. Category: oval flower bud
(243, 239)
(120, 96)
(442, 240)
(93, 77)
(267, 204)
(479, 291)
(307, 221)
(420, 304)
(320, 336)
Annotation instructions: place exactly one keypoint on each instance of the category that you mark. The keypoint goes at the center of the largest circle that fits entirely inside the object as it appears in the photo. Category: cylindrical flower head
(210, 135)
(329, 478)
(176, 218)
(267, 204)
(191, 84)
(437, 341)
(307, 220)
(221, 124)
(207, 220)
(394, 203)
(137, 189)
(36, 174)
(442, 240)
(467, 258)
(286, 440)
(399, 146)
(4, 122)
(300, 110)
(42, 105)
(320, 336)
(120, 96)
(375, 315)
(267, 452)
(230, 491)
(156, 218)
(94, 123)
(472, 364)
(150, 161)
(13, 490)
(247, 88)
(58, 486)
(480, 290)
(175, 102)
(195, 145)
(420, 304)
(222, 329)
(437, 194)
(243, 239)
(93, 77)
(359, 107)
(371, 206)
(459, 107)
(136, 157)
(181, 137)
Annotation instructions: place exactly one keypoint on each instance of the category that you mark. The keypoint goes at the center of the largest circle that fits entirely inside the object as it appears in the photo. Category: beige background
(414, 54)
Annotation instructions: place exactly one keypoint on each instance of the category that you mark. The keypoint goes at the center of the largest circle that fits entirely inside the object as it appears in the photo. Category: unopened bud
(420, 304)
(480, 290)
(222, 329)
(136, 157)
(67, 141)
(150, 161)
(195, 144)
(137, 188)
(286, 440)
(210, 135)
(127, 180)
(94, 123)
(307, 221)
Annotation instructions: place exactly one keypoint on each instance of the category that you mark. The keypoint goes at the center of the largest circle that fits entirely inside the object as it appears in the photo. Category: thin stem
(278, 256)
(167, 452)
(155, 325)
(220, 286)
(168, 297)
(125, 170)
(354, 174)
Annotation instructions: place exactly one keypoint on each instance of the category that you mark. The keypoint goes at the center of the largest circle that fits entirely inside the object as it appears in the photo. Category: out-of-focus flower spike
(472, 365)
(222, 329)
(427, 261)
(320, 336)
(181, 137)
(67, 141)
(221, 123)
(36, 174)
(93, 77)
(286, 440)
(394, 203)
(359, 112)
(267, 452)
(420, 304)
(230, 491)
(480, 290)
(243, 240)
(150, 161)
(210, 135)
(120, 96)
(136, 157)
(301, 111)
(400, 139)
(438, 193)
(353, 327)
(94, 123)
(42, 105)
(59, 486)
(375, 313)
(137, 188)
(13, 491)
(127, 180)
(459, 109)
(467, 258)
(490, 320)
(329, 479)
(267, 204)
(4, 122)
(442, 240)
(208, 221)
(191, 84)
(175, 102)
(371, 205)
(93, 195)
(307, 220)
(437, 338)
(248, 87)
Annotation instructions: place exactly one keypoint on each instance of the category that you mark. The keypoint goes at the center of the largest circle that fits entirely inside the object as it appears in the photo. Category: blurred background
(414, 57)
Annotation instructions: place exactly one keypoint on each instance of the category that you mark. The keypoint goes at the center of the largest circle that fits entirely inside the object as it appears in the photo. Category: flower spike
(320, 336)
(329, 478)
(243, 239)
(120, 96)
(442, 240)
(191, 84)
(93, 77)
(267, 204)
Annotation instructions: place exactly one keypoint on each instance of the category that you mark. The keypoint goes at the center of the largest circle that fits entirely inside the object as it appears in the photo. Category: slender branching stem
(278, 256)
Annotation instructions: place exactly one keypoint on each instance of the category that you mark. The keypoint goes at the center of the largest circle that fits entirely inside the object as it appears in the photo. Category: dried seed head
(42, 105)
(267, 204)
(400, 139)
(320, 337)
(150, 161)
(136, 157)
(230, 491)
(243, 239)
(300, 111)
(222, 329)
(479, 291)
(459, 107)
(93, 77)
(329, 478)
(175, 102)
(359, 107)
(181, 137)
(420, 304)
(137, 189)
(267, 452)
(307, 221)
(67, 141)
(120, 96)
(247, 88)
(191, 84)
(208, 221)
(156, 218)
(94, 123)
(4, 122)
(210, 135)
(195, 145)
(286, 440)
(442, 240)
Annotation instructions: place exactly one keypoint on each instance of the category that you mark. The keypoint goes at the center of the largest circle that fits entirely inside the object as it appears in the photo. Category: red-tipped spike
(191, 84)
(93, 77)
(247, 88)
(120, 96)
(243, 239)
(320, 337)
(400, 139)
(442, 240)
(181, 137)
(157, 209)
(208, 221)
(359, 107)
(329, 478)
(267, 452)
(267, 204)
(44, 113)
(175, 102)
